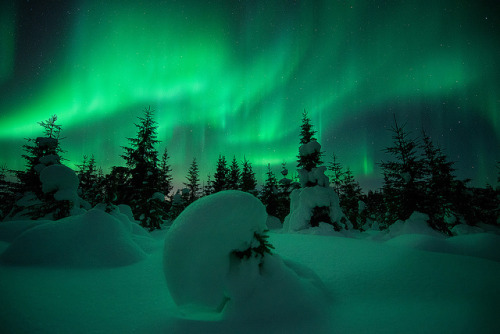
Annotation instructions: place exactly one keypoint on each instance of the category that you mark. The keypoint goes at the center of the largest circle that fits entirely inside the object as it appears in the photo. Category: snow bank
(302, 202)
(205, 276)
(94, 239)
(416, 224)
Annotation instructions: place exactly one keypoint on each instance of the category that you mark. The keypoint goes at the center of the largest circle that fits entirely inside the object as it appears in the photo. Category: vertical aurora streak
(233, 78)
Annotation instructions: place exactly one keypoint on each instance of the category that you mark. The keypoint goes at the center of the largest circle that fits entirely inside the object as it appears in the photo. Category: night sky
(233, 78)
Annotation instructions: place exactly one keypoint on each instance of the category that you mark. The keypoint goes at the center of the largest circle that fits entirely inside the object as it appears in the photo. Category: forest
(417, 176)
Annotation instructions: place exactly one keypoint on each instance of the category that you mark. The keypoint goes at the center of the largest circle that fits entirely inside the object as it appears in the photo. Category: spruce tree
(248, 180)
(142, 160)
(402, 177)
(193, 184)
(87, 174)
(337, 174)
(233, 179)
(46, 148)
(42, 152)
(7, 192)
(440, 185)
(285, 187)
(165, 184)
(208, 186)
(309, 156)
(350, 195)
(269, 193)
(221, 174)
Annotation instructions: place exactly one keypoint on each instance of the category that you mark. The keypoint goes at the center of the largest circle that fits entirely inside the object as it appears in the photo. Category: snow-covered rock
(304, 200)
(204, 274)
(94, 239)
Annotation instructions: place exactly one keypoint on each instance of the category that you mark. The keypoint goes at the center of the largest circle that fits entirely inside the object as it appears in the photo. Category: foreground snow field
(406, 280)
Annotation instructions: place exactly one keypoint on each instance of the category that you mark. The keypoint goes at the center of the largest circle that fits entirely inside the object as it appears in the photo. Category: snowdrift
(93, 239)
(205, 276)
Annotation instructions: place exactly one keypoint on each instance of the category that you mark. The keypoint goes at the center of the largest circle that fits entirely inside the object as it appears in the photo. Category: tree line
(418, 176)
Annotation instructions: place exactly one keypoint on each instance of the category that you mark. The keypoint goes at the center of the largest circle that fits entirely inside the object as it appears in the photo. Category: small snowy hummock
(94, 239)
(205, 274)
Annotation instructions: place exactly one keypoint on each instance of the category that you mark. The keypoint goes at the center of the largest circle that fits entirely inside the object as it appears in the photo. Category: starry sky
(233, 78)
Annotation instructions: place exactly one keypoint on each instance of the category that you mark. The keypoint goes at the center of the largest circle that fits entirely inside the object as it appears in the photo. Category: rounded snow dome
(199, 245)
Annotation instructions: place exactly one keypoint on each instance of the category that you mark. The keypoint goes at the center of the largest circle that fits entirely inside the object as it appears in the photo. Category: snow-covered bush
(217, 260)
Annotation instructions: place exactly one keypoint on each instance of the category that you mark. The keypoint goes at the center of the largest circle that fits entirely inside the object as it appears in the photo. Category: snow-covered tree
(248, 180)
(337, 174)
(193, 184)
(269, 193)
(44, 192)
(40, 152)
(208, 186)
(440, 185)
(7, 191)
(89, 180)
(142, 160)
(402, 177)
(233, 177)
(221, 175)
(350, 197)
(315, 202)
(165, 184)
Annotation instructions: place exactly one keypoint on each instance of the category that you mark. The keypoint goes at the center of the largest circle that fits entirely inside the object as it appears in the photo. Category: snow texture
(315, 176)
(302, 202)
(94, 239)
(309, 148)
(62, 180)
(204, 275)
(411, 283)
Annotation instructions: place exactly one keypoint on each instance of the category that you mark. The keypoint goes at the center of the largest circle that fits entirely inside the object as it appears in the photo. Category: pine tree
(337, 174)
(42, 152)
(312, 175)
(440, 185)
(248, 180)
(7, 192)
(87, 174)
(165, 185)
(350, 195)
(402, 177)
(309, 155)
(142, 160)
(285, 187)
(193, 184)
(221, 175)
(269, 193)
(208, 186)
(233, 179)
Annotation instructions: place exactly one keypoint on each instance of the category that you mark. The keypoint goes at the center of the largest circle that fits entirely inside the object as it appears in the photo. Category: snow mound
(416, 224)
(204, 276)
(302, 202)
(94, 239)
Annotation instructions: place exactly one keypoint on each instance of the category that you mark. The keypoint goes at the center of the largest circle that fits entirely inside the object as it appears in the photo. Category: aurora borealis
(233, 78)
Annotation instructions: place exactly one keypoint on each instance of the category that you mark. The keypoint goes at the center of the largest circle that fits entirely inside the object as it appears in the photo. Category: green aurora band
(233, 78)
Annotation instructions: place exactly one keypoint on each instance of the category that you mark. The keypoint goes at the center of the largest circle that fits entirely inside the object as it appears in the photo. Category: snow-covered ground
(99, 273)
